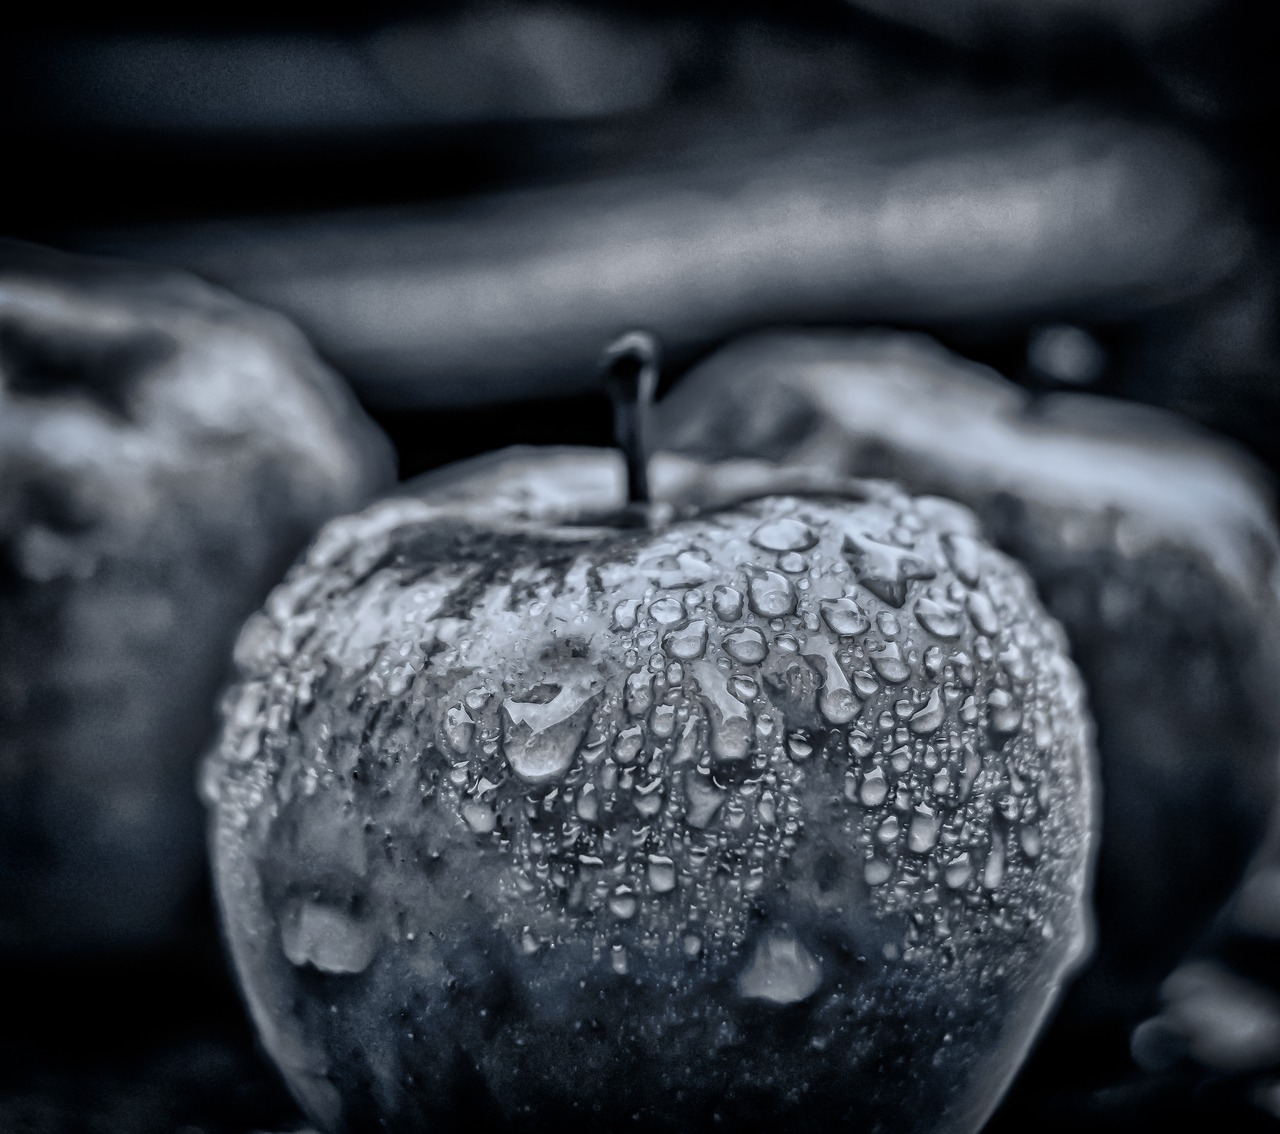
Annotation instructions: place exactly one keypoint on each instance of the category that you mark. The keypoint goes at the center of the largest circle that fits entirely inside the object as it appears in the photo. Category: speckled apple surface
(776, 812)
(165, 451)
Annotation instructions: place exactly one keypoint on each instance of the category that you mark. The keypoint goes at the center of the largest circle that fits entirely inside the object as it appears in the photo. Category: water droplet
(887, 623)
(675, 674)
(541, 738)
(1029, 837)
(327, 938)
(767, 809)
(787, 643)
(888, 830)
(874, 788)
(770, 594)
(662, 874)
(479, 817)
(588, 805)
(458, 729)
(889, 665)
(618, 959)
(993, 869)
(962, 553)
(692, 945)
(704, 800)
(746, 645)
(883, 569)
(689, 643)
(622, 903)
(838, 706)
(958, 871)
(929, 718)
(476, 700)
(1006, 715)
(639, 693)
(941, 621)
(743, 688)
(786, 533)
(781, 970)
(667, 612)
(626, 614)
(799, 746)
(627, 747)
(983, 614)
(877, 872)
(663, 721)
(793, 563)
(922, 835)
(727, 603)
(865, 685)
(845, 616)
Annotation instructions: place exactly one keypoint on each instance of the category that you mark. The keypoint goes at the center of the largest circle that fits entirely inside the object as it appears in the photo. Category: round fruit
(165, 451)
(780, 810)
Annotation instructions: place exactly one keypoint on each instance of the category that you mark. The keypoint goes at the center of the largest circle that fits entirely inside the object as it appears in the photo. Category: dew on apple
(844, 616)
(781, 970)
(874, 788)
(922, 836)
(877, 872)
(1029, 838)
(626, 614)
(983, 613)
(663, 721)
(769, 593)
(727, 603)
(889, 664)
(746, 645)
(963, 556)
(327, 938)
(689, 643)
(942, 621)
(785, 533)
(1005, 713)
(959, 870)
(667, 612)
(882, 568)
(993, 869)
(928, 719)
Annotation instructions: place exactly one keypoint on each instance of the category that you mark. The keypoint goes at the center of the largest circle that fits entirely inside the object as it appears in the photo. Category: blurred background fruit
(165, 451)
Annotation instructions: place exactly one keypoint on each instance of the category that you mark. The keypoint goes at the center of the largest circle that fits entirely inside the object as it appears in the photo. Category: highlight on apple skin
(780, 809)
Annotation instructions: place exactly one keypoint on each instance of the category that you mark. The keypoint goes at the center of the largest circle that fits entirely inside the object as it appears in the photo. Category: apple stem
(630, 371)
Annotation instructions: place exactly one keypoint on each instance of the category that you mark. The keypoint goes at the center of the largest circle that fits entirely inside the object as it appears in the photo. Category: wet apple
(774, 809)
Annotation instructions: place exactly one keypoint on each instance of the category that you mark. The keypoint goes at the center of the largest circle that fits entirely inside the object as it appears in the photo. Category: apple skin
(495, 838)
(165, 452)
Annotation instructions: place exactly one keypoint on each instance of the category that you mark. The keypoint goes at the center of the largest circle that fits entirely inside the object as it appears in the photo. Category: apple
(1155, 545)
(772, 804)
(165, 452)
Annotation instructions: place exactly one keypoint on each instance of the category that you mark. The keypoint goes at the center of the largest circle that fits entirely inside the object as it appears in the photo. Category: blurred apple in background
(165, 449)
